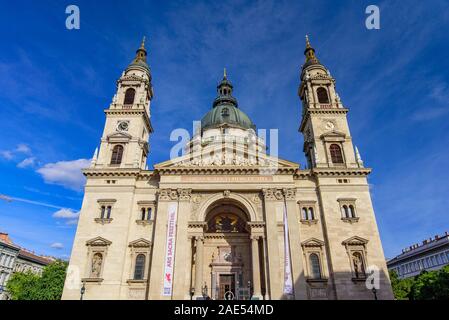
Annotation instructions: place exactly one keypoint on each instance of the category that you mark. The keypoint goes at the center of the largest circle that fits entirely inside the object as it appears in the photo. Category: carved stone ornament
(278, 195)
(168, 194)
(255, 199)
(226, 193)
(184, 194)
(289, 193)
(273, 194)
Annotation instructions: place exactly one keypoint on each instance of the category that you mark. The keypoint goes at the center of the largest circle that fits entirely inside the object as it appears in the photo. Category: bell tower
(327, 139)
(124, 143)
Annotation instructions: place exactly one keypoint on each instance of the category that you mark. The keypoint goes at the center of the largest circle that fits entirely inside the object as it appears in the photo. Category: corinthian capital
(272, 194)
(184, 194)
(289, 193)
(168, 194)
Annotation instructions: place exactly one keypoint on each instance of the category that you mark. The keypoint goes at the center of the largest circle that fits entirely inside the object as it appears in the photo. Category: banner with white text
(170, 249)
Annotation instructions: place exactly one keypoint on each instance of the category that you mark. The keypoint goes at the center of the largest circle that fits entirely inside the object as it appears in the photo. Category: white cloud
(28, 162)
(66, 214)
(6, 154)
(65, 173)
(70, 216)
(57, 245)
(23, 148)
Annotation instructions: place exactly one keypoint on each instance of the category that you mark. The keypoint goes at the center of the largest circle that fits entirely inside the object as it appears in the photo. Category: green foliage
(401, 288)
(429, 285)
(22, 286)
(28, 286)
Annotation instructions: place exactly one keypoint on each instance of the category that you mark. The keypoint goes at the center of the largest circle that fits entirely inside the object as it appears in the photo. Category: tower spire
(224, 74)
(309, 52)
(141, 53)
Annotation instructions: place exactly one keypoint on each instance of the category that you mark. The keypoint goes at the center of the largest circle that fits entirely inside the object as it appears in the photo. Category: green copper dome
(225, 110)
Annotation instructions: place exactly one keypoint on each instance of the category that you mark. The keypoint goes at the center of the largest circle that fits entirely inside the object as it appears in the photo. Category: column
(257, 294)
(181, 268)
(199, 267)
(274, 265)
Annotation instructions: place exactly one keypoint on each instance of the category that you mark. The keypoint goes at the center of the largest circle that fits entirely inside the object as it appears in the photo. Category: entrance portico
(227, 253)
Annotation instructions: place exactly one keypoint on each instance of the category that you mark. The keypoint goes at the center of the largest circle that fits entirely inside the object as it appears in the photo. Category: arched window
(345, 211)
(139, 268)
(304, 213)
(336, 155)
(108, 212)
(311, 214)
(322, 95)
(117, 154)
(129, 96)
(315, 269)
(352, 211)
(358, 264)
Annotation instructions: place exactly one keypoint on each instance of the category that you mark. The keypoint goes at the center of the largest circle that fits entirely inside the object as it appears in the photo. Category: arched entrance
(227, 250)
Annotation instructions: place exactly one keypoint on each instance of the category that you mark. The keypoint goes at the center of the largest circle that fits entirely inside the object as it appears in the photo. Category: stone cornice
(310, 111)
(142, 112)
(256, 224)
(341, 171)
(119, 172)
(223, 170)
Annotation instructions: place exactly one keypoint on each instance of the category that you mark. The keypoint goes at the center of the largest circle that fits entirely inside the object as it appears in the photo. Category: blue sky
(55, 84)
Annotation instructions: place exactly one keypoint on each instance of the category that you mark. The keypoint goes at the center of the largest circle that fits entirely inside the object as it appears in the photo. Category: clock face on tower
(122, 126)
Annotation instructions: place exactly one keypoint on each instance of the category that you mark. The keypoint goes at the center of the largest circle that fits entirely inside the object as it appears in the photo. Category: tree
(401, 287)
(28, 286)
(21, 285)
(431, 285)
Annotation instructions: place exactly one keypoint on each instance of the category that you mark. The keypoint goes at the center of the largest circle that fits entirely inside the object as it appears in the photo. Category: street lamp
(83, 289)
(192, 292)
(249, 289)
(374, 292)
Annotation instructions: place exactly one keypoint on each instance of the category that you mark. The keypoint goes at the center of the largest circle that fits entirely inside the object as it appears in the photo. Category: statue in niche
(97, 261)
(357, 261)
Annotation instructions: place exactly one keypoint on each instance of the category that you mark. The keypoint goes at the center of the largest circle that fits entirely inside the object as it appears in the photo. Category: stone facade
(8, 256)
(211, 222)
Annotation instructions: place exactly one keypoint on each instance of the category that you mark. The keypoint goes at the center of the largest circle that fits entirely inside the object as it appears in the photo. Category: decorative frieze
(272, 194)
(278, 194)
(173, 195)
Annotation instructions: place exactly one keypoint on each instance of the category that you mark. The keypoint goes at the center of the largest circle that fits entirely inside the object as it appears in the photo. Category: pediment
(140, 243)
(98, 241)
(333, 134)
(355, 241)
(119, 137)
(227, 159)
(312, 242)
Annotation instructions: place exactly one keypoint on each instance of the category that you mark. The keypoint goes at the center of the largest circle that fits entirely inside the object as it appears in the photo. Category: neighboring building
(213, 221)
(13, 259)
(8, 256)
(28, 261)
(430, 255)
